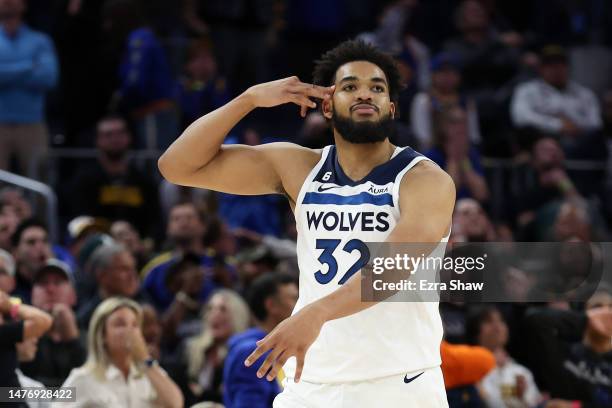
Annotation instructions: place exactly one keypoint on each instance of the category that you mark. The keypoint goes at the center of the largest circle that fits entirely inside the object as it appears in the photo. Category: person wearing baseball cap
(59, 350)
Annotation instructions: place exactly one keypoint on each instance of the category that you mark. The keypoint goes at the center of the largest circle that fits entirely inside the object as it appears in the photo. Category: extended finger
(278, 364)
(265, 366)
(262, 346)
(302, 101)
(299, 367)
(303, 110)
(314, 91)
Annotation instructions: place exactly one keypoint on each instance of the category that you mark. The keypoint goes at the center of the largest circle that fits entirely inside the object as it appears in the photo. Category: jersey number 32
(327, 257)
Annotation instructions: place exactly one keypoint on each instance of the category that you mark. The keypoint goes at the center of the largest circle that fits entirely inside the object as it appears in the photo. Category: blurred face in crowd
(14, 201)
(473, 17)
(600, 329)
(555, 73)
(118, 329)
(219, 317)
(493, 331)
(184, 224)
(151, 330)
(547, 154)
(113, 138)
(7, 282)
(446, 79)
(26, 350)
(456, 126)
(32, 251)
(11, 8)
(51, 289)
(124, 233)
(281, 305)
(202, 66)
(471, 219)
(8, 224)
(120, 278)
(361, 110)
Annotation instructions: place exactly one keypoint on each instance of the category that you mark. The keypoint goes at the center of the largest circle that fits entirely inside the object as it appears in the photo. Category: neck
(123, 363)
(599, 344)
(357, 160)
(195, 246)
(113, 166)
(11, 24)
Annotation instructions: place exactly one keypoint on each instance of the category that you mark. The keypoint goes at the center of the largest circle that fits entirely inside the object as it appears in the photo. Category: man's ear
(327, 108)
(392, 109)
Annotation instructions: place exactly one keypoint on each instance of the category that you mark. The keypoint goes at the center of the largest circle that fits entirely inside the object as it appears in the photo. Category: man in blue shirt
(271, 298)
(28, 69)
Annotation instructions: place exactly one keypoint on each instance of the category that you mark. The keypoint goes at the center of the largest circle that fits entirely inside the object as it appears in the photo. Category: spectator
(146, 82)
(553, 104)
(471, 223)
(201, 90)
(113, 188)
(271, 298)
(8, 224)
(509, 384)
(545, 183)
(452, 152)
(488, 58)
(574, 351)
(124, 233)
(60, 349)
(31, 250)
(7, 272)
(444, 94)
(185, 230)
(15, 198)
(225, 314)
(184, 281)
(18, 323)
(28, 69)
(115, 272)
(119, 369)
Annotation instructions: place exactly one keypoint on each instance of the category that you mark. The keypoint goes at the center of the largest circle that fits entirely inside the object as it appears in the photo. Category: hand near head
(288, 90)
(137, 346)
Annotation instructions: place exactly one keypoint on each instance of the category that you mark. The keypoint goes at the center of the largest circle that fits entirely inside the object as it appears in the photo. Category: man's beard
(115, 155)
(365, 131)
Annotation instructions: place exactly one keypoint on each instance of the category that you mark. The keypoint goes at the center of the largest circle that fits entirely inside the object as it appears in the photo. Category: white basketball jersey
(335, 216)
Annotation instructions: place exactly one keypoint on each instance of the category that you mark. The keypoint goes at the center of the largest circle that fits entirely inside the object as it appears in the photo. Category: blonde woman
(119, 371)
(225, 314)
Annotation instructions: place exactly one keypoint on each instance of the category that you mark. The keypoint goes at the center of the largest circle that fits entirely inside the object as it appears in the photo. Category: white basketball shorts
(420, 389)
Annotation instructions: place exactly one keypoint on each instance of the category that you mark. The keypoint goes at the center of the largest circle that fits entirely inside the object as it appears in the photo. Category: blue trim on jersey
(356, 199)
(381, 174)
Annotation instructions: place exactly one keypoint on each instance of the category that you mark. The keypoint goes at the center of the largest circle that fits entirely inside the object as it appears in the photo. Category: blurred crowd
(512, 99)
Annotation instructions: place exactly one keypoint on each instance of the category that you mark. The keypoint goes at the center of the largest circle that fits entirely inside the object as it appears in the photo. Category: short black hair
(24, 225)
(263, 288)
(324, 73)
(475, 319)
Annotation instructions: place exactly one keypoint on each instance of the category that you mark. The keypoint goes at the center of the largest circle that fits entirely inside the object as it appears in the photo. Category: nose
(364, 94)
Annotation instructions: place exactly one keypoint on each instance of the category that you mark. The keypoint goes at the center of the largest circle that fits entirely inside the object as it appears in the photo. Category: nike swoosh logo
(408, 380)
(321, 189)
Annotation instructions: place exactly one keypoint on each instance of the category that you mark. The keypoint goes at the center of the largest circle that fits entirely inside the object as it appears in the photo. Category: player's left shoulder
(426, 177)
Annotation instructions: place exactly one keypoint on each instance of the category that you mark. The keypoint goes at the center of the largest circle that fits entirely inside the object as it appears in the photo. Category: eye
(378, 88)
(348, 87)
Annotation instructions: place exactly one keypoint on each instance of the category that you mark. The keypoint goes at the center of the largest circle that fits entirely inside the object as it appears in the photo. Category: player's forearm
(201, 141)
(343, 302)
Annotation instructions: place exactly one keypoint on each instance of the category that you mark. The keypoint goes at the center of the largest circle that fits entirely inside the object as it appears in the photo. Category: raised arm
(427, 198)
(198, 158)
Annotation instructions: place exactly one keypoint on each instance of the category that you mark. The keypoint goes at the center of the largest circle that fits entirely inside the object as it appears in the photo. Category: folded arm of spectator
(44, 72)
(524, 112)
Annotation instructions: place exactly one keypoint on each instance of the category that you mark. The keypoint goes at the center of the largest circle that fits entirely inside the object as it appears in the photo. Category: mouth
(364, 109)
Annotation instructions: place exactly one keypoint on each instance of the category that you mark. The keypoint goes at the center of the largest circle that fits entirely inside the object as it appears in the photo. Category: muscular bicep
(426, 201)
(247, 170)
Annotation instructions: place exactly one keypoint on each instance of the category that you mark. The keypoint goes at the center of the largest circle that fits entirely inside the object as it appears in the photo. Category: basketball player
(347, 353)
